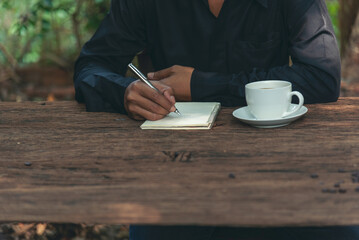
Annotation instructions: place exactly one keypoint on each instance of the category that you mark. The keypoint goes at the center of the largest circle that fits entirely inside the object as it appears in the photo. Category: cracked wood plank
(102, 168)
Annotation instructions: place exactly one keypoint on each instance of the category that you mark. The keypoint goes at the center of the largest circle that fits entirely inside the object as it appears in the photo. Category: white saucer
(245, 116)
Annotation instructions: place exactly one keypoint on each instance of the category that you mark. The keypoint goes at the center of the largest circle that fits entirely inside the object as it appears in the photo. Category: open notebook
(195, 115)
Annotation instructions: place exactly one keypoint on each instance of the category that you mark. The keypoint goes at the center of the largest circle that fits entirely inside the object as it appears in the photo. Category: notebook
(194, 115)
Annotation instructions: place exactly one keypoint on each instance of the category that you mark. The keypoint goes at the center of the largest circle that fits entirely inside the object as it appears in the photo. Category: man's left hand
(178, 78)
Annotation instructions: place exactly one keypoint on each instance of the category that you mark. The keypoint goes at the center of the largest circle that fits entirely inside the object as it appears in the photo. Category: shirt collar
(264, 3)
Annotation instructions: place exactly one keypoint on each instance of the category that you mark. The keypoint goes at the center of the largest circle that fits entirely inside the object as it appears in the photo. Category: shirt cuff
(102, 90)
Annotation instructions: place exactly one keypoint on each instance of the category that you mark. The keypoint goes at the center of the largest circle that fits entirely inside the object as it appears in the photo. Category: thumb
(159, 75)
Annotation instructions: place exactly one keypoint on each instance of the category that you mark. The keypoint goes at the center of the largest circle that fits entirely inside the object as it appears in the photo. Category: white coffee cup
(271, 99)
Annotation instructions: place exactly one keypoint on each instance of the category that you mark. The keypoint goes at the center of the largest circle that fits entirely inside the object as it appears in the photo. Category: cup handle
(299, 106)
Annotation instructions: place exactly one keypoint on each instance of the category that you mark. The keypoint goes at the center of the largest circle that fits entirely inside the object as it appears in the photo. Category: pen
(144, 79)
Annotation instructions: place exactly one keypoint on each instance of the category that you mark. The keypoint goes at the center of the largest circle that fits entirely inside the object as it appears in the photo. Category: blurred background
(41, 39)
(39, 43)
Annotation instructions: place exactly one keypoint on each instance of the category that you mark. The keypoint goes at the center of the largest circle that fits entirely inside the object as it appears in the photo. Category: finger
(140, 113)
(170, 97)
(159, 97)
(173, 100)
(138, 92)
(166, 91)
(152, 106)
(160, 74)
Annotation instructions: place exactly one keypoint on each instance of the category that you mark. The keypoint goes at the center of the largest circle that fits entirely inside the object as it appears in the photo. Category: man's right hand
(142, 102)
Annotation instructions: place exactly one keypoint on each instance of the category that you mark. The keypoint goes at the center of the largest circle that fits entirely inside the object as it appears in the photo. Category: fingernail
(173, 99)
(173, 109)
(150, 75)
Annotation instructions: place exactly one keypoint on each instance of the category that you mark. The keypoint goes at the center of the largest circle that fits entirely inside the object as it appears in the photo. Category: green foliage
(333, 8)
(38, 30)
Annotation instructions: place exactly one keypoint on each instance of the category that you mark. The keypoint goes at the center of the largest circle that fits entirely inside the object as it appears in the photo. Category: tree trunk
(350, 63)
(76, 24)
(347, 16)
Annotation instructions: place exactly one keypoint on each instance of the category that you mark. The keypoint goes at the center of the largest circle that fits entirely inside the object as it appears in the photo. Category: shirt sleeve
(314, 52)
(99, 71)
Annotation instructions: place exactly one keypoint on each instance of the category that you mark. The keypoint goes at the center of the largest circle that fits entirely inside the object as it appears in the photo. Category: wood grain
(102, 168)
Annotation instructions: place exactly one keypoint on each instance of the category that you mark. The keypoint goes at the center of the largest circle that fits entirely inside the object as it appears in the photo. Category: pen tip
(178, 112)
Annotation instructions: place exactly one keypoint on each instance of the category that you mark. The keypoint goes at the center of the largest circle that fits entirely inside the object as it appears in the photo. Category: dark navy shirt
(251, 40)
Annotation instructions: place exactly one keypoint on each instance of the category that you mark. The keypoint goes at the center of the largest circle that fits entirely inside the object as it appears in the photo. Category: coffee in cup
(271, 99)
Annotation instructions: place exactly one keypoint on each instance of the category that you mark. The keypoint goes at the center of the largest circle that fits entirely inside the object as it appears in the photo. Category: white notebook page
(195, 115)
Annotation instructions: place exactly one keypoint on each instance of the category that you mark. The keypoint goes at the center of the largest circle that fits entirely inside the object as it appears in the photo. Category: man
(207, 50)
(218, 47)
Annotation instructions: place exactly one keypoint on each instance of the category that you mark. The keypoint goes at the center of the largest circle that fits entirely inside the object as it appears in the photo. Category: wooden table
(102, 168)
